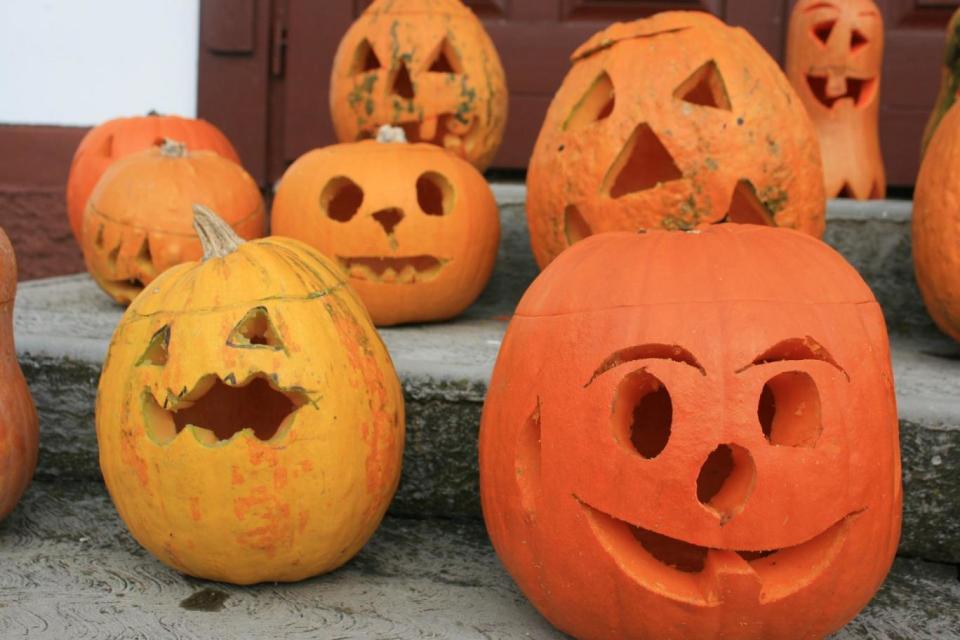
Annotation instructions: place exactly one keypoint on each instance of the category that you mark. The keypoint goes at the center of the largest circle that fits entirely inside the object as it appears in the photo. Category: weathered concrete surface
(68, 569)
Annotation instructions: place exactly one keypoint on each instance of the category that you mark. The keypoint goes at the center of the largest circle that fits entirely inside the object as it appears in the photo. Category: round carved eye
(434, 194)
(643, 411)
(789, 410)
(341, 198)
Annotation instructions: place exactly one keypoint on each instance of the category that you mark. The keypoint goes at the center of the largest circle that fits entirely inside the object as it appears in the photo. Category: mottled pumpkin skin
(460, 237)
(936, 226)
(834, 60)
(949, 80)
(18, 417)
(461, 106)
(247, 510)
(685, 87)
(574, 507)
(118, 138)
(138, 221)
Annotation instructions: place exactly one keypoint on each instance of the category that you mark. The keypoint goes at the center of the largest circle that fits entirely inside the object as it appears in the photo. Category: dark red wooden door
(265, 66)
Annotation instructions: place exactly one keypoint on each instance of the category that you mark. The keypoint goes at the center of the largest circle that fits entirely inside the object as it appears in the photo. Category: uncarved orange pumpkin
(936, 226)
(834, 60)
(694, 435)
(415, 228)
(138, 221)
(427, 66)
(117, 138)
(18, 417)
(670, 122)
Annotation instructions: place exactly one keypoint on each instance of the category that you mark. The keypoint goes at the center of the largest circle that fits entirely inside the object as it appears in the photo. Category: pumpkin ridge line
(675, 302)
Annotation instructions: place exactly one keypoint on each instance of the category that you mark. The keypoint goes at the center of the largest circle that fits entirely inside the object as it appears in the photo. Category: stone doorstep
(69, 569)
(63, 327)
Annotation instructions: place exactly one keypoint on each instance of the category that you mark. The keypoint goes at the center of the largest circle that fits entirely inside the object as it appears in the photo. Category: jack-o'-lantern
(935, 227)
(415, 228)
(694, 435)
(139, 221)
(249, 418)
(672, 121)
(834, 57)
(949, 80)
(427, 66)
(119, 138)
(18, 417)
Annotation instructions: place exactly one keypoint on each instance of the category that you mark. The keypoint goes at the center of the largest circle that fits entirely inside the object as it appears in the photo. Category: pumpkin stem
(388, 133)
(153, 112)
(170, 148)
(217, 238)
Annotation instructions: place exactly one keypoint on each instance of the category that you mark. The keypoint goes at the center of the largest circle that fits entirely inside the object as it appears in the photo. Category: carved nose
(388, 218)
(726, 480)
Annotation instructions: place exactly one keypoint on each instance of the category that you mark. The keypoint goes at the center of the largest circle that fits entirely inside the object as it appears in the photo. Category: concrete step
(63, 326)
(69, 569)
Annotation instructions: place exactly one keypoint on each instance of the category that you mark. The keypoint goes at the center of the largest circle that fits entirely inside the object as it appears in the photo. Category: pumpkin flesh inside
(386, 269)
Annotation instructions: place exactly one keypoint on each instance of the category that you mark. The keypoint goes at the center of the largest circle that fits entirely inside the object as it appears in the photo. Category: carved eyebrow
(805, 348)
(820, 5)
(647, 351)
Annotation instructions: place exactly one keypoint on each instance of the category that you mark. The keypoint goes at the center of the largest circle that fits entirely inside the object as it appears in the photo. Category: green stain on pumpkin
(711, 164)
(774, 199)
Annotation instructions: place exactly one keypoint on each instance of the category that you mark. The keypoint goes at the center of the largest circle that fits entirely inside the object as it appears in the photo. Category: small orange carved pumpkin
(138, 221)
(427, 66)
(18, 417)
(118, 138)
(672, 121)
(694, 435)
(415, 227)
(834, 58)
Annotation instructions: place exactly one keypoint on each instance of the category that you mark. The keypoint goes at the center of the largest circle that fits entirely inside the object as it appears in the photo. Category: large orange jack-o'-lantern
(672, 121)
(415, 228)
(427, 66)
(834, 55)
(694, 435)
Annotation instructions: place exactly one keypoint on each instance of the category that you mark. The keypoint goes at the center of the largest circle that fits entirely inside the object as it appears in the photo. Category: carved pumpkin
(427, 66)
(119, 138)
(18, 417)
(834, 58)
(949, 79)
(936, 227)
(694, 435)
(138, 221)
(249, 418)
(414, 227)
(672, 121)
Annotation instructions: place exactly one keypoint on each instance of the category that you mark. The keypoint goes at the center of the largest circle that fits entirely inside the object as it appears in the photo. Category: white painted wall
(79, 62)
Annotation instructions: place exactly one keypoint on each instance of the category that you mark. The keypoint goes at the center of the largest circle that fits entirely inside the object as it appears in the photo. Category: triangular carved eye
(365, 59)
(256, 330)
(643, 163)
(857, 41)
(705, 87)
(156, 352)
(446, 60)
(822, 30)
(402, 84)
(595, 105)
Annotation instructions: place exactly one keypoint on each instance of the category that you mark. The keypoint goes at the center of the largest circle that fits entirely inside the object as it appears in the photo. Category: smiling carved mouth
(383, 269)
(215, 410)
(858, 90)
(691, 573)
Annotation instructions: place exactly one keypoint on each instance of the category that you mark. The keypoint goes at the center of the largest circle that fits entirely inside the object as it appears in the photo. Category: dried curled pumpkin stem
(388, 133)
(217, 238)
(170, 148)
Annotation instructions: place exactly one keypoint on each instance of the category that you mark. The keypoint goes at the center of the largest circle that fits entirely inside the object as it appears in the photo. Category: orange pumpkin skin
(427, 66)
(936, 226)
(419, 245)
(118, 138)
(631, 361)
(138, 221)
(672, 121)
(834, 59)
(18, 417)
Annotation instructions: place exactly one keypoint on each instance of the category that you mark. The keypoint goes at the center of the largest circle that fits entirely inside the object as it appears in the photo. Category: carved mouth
(691, 573)
(858, 90)
(390, 270)
(216, 409)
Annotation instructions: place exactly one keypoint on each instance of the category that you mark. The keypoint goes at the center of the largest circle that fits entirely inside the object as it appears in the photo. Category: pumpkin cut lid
(452, 8)
(716, 263)
(661, 23)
